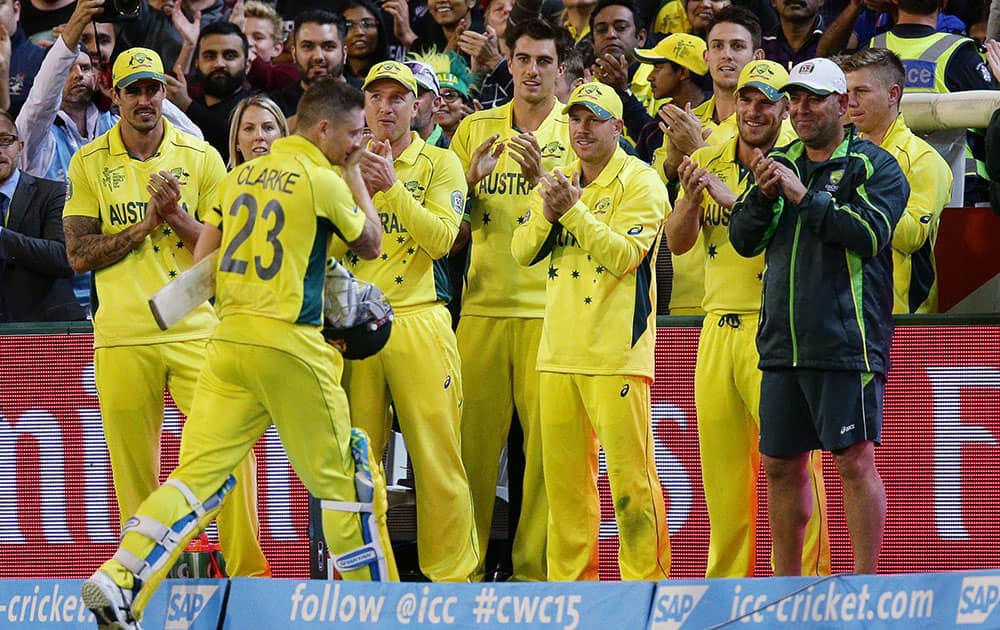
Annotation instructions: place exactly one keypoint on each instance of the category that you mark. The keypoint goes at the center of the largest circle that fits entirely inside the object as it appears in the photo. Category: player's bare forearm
(185, 226)
(682, 226)
(88, 249)
(208, 242)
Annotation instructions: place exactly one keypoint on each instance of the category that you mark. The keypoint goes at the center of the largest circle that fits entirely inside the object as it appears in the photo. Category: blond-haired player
(593, 229)
(122, 222)
(727, 379)
(875, 79)
(267, 361)
(419, 193)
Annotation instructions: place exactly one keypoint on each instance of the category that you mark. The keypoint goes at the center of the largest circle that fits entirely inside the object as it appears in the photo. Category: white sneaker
(110, 603)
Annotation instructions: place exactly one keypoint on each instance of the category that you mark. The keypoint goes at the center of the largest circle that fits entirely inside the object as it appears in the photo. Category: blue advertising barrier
(918, 600)
(292, 604)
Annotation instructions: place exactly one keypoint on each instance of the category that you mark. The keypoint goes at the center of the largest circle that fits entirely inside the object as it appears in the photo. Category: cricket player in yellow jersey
(727, 379)
(117, 226)
(733, 42)
(505, 150)
(875, 79)
(593, 229)
(419, 193)
(267, 361)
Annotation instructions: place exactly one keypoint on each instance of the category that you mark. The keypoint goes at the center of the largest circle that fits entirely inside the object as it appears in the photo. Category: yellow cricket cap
(599, 98)
(767, 76)
(682, 48)
(135, 64)
(392, 70)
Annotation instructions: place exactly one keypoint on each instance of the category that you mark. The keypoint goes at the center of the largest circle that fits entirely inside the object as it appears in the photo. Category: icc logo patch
(458, 202)
(69, 190)
(113, 177)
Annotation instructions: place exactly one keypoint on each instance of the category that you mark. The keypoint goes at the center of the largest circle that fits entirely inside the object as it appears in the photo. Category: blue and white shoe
(110, 603)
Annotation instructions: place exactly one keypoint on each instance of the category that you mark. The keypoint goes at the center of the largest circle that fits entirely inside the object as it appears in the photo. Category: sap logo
(186, 603)
(673, 605)
(977, 599)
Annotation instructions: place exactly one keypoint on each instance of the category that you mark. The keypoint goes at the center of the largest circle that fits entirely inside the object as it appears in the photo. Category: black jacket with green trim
(828, 281)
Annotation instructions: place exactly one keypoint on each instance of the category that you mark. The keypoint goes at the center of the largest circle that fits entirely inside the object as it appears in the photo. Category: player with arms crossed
(419, 193)
(267, 360)
(130, 218)
(822, 209)
(596, 227)
(727, 379)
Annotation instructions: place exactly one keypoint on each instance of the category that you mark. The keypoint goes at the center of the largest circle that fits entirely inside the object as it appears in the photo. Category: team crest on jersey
(458, 201)
(413, 187)
(181, 174)
(553, 149)
(835, 178)
(602, 205)
(113, 177)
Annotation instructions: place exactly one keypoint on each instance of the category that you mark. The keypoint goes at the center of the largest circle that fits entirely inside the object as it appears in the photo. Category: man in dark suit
(35, 277)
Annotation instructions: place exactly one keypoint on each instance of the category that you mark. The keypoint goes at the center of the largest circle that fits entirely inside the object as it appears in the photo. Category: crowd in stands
(57, 58)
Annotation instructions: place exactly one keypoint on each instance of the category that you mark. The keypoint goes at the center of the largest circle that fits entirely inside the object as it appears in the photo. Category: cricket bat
(185, 293)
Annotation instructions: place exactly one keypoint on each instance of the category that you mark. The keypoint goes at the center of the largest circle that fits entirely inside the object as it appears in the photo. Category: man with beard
(727, 379)
(318, 51)
(220, 71)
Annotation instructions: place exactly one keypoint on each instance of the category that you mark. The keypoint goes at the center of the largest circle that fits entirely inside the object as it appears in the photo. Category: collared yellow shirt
(496, 286)
(733, 283)
(420, 216)
(106, 183)
(278, 213)
(914, 271)
(599, 260)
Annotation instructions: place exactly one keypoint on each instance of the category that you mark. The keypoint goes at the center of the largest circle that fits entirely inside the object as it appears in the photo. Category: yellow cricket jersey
(277, 214)
(732, 283)
(599, 260)
(496, 286)
(420, 216)
(106, 183)
(577, 36)
(930, 178)
(672, 18)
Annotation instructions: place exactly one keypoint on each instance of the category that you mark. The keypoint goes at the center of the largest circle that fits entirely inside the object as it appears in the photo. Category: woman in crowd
(256, 123)
(365, 41)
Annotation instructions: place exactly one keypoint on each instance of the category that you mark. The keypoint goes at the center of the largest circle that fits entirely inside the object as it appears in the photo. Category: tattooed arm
(88, 249)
